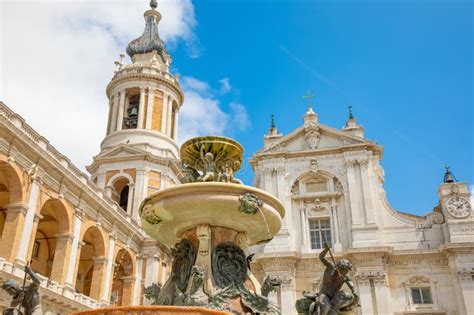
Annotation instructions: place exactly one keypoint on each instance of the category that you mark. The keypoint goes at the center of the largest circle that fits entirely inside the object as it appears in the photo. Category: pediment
(120, 151)
(313, 137)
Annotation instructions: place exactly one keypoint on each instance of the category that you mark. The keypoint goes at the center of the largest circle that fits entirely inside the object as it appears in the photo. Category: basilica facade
(331, 184)
(82, 232)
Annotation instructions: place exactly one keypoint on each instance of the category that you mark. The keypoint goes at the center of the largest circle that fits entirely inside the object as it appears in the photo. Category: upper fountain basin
(172, 211)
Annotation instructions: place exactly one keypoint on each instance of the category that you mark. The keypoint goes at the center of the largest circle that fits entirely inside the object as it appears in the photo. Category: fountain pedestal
(210, 222)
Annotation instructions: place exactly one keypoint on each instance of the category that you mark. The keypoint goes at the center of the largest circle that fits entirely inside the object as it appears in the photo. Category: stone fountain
(210, 222)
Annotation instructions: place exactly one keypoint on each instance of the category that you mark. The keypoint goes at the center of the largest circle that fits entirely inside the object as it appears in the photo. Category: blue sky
(406, 67)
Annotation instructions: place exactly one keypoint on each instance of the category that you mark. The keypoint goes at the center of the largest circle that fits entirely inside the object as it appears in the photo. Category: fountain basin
(183, 207)
(151, 310)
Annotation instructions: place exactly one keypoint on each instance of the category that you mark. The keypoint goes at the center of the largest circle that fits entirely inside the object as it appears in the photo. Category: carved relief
(149, 215)
(204, 235)
(229, 265)
(312, 136)
(250, 204)
(466, 274)
(377, 277)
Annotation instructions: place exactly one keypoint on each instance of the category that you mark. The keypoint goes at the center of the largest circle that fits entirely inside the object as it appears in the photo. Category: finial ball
(153, 4)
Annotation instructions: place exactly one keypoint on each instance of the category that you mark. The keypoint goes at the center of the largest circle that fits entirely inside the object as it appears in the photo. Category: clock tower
(139, 154)
(454, 202)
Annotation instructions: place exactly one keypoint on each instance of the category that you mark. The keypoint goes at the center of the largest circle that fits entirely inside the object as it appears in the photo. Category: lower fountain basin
(151, 310)
(180, 208)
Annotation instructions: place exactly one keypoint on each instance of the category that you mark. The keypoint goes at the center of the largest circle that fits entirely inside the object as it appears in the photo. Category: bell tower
(139, 153)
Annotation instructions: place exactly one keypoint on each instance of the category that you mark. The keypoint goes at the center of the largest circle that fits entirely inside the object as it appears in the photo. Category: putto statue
(330, 300)
(27, 297)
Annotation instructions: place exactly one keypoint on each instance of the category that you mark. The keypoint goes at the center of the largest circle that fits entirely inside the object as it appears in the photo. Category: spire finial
(448, 175)
(350, 112)
(272, 125)
(309, 97)
(153, 4)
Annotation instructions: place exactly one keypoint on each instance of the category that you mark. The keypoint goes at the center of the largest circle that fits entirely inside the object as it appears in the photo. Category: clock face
(458, 207)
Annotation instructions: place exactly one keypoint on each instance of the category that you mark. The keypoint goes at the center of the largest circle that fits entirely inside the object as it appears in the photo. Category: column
(369, 206)
(353, 193)
(169, 116)
(97, 285)
(304, 229)
(113, 118)
(138, 280)
(131, 190)
(288, 296)
(140, 192)
(149, 110)
(335, 220)
(176, 119)
(109, 117)
(108, 191)
(61, 257)
(121, 109)
(127, 291)
(15, 218)
(151, 273)
(28, 226)
(164, 113)
(108, 272)
(368, 306)
(382, 293)
(141, 108)
(76, 234)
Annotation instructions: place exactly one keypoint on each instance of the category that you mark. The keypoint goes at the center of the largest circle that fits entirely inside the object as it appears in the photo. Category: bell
(134, 112)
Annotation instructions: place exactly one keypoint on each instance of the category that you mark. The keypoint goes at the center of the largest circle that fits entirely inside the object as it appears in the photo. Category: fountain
(209, 222)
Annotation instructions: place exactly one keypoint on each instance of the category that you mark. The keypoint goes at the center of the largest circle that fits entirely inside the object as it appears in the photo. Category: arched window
(131, 119)
(123, 202)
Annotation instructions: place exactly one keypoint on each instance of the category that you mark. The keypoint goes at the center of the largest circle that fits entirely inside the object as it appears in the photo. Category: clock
(458, 207)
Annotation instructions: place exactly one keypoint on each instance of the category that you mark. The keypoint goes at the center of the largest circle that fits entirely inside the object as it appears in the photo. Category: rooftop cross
(350, 112)
(309, 97)
(273, 122)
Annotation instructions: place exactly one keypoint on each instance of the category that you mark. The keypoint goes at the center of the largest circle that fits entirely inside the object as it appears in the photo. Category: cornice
(137, 74)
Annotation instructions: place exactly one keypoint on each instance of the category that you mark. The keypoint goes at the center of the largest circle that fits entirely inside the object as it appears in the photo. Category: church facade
(331, 184)
(82, 233)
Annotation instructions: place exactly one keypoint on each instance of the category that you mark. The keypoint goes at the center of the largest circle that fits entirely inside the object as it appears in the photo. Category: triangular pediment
(313, 137)
(120, 151)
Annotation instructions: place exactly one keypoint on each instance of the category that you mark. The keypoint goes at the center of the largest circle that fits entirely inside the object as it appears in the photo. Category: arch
(120, 184)
(305, 175)
(51, 243)
(11, 183)
(91, 262)
(122, 280)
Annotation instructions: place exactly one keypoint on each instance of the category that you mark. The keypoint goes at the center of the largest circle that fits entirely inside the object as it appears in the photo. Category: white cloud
(57, 58)
(239, 116)
(472, 195)
(202, 114)
(225, 85)
(193, 84)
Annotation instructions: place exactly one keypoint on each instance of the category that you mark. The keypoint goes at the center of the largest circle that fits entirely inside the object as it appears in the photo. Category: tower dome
(150, 39)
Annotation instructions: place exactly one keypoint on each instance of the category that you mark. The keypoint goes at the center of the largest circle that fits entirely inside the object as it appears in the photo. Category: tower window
(131, 121)
(124, 198)
(421, 296)
(316, 230)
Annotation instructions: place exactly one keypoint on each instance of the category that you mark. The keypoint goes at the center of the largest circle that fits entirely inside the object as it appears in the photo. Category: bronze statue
(27, 296)
(330, 300)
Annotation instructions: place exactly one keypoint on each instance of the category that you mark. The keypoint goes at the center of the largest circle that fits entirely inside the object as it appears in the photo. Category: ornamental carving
(229, 265)
(377, 277)
(312, 136)
(250, 204)
(466, 274)
(149, 215)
